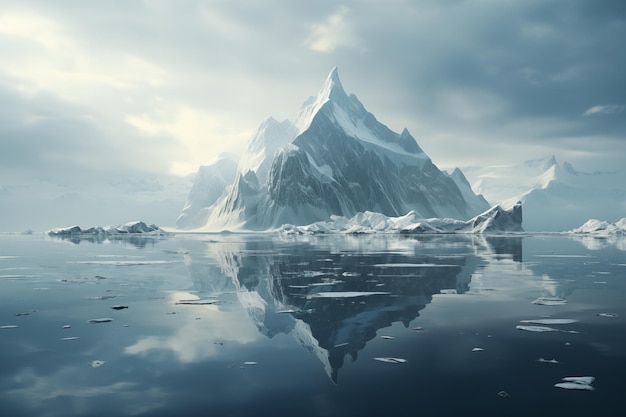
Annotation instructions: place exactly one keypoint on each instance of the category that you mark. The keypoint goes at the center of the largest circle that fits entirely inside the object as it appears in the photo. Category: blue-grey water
(236, 325)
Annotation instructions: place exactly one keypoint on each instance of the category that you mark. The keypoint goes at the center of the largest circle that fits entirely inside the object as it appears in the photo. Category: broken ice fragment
(345, 294)
(67, 326)
(607, 315)
(198, 302)
(573, 385)
(550, 301)
(390, 360)
(250, 363)
(537, 328)
(542, 360)
(102, 320)
(478, 349)
(448, 291)
(580, 379)
(577, 383)
(96, 363)
(550, 321)
(543, 329)
(386, 337)
(9, 326)
(67, 339)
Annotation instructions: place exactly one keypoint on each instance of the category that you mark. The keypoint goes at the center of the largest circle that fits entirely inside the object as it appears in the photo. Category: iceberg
(335, 159)
(130, 228)
(493, 220)
(596, 227)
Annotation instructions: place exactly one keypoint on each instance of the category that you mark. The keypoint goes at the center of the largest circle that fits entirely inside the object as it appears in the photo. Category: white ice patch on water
(549, 321)
(478, 349)
(550, 301)
(542, 360)
(405, 265)
(346, 294)
(390, 360)
(9, 326)
(539, 329)
(101, 320)
(69, 339)
(96, 363)
(577, 383)
(607, 315)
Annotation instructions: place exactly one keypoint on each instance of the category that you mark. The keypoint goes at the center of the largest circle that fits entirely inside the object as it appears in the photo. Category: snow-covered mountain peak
(331, 90)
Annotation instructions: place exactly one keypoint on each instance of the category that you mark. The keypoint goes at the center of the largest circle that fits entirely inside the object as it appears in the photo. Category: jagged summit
(335, 159)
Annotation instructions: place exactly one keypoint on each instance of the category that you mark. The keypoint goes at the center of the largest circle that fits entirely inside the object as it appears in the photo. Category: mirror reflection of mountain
(334, 293)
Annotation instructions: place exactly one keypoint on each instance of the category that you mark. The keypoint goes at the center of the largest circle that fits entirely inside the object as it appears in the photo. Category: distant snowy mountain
(495, 219)
(601, 228)
(133, 228)
(335, 159)
(555, 196)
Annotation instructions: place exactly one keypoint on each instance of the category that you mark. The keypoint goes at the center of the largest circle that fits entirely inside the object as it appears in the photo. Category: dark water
(267, 338)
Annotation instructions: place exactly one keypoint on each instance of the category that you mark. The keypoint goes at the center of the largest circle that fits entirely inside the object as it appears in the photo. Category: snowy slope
(336, 159)
(210, 182)
(556, 197)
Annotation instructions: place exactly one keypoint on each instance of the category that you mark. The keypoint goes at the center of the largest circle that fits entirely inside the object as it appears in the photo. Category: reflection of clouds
(67, 389)
(191, 341)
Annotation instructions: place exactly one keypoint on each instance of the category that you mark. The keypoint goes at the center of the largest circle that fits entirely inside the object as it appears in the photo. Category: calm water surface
(284, 326)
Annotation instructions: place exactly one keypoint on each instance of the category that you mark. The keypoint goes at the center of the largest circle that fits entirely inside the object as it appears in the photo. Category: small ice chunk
(478, 349)
(542, 360)
(537, 328)
(573, 385)
(101, 320)
(346, 294)
(550, 321)
(68, 339)
(448, 291)
(102, 297)
(580, 379)
(287, 311)
(197, 302)
(249, 363)
(9, 326)
(67, 326)
(390, 360)
(96, 363)
(607, 315)
(417, 329)
(550, 301)
(576, 383)
(386, 337)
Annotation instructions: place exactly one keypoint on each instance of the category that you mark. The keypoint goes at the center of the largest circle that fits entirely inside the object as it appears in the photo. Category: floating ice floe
(69, 339)
(478, 349)
(448, 291)
(577, 383)
(9, 326)
(390, 360)
(549, 321)
(542, 360)
(287, 311)
(387, 337)
(608, 315)
(198, 302)
(405, 265)
(540, 329)
(102, 297)
(67, 326)
(550, 301)
(250, 363)
(101, 320)
(96, 363)
(346, 294)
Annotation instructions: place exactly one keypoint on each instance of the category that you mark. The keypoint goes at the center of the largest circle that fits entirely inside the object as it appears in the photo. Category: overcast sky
(111, 93)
